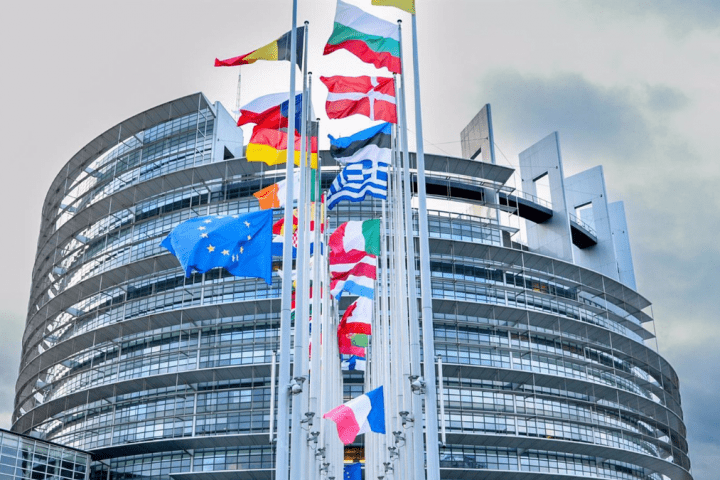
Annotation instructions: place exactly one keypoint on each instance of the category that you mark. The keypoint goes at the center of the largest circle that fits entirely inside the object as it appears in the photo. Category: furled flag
(362, 414)
(357, 318)
(270, 146)
(277, 50)
(239, 243)
(373, 97)
(366, 156)
(407, 5)
(369, 38)
(353, 363)
(352, 471)
(271, 111)
(278, 230)
(275, 195)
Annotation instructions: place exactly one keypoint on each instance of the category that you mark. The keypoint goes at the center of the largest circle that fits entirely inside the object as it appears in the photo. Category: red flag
(373, 97)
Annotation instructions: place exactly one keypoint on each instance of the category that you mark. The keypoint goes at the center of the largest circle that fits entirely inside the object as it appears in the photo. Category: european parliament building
(550, 365)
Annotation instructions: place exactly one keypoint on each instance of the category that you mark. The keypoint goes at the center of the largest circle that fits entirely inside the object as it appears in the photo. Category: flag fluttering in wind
(353, 258)
(270, 146)
(271, 111)
(363, 236)
(373, 97)
(407, 5)
(369, 38)
(353, 363)
(239, 243)
(276, 50)
(362, 414)
(357, 317)
(352, 471)
(366, 156)
(274, 196)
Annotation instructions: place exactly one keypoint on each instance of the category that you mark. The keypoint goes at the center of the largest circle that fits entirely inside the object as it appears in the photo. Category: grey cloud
(665, 99)
(605, 121)
(680, 16)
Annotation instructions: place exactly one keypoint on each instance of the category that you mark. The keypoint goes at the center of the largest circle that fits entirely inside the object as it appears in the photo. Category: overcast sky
(631, 85)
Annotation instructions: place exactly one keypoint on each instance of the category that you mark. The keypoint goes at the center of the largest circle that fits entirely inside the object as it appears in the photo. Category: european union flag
(239, 243)
(352, 471)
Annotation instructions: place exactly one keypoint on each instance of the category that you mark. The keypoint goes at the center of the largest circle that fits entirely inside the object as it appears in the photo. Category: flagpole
(431, 424)
(416, 435)
(315, 387)
(237, 94)
(281, 445)
(298, 457)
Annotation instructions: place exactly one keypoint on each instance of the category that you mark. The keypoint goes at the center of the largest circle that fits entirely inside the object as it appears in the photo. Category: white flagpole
(416, 433)
(316, 386)
(281, 445)
(298, 457)
(431, 423)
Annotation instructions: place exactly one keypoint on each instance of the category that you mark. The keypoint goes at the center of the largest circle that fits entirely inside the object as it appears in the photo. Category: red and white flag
(373, 97)
(357, 317)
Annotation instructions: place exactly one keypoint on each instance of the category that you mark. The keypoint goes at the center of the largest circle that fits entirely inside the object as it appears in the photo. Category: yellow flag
(407, 5)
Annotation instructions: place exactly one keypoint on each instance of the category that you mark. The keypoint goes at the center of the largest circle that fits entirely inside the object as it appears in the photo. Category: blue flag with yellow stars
(352, 471)
(239, 243)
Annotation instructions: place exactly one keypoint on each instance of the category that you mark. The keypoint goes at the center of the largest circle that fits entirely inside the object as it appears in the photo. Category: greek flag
(366, 156)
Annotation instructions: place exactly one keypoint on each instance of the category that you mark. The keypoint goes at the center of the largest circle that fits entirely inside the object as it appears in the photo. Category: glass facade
(26, 458)
(547, 365)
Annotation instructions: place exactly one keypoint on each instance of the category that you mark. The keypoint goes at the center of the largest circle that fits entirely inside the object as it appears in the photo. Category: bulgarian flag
(277, 50)
(362, 414)
(369, 38)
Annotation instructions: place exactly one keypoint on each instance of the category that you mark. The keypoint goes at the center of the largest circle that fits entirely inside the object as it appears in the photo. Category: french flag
(365, 413)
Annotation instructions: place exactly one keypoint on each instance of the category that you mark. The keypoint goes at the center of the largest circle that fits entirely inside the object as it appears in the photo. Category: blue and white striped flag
(366, 156)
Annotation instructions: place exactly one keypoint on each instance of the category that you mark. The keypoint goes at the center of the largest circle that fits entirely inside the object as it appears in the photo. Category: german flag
(270, 146)
(273, 51)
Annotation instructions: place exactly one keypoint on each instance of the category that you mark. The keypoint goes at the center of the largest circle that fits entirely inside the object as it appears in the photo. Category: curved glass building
(550, 368)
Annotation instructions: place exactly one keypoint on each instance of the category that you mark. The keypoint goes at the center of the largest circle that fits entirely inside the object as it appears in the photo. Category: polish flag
(373, 97)
(362, 414)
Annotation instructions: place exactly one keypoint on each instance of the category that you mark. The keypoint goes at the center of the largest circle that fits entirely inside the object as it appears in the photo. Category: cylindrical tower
(547, 367)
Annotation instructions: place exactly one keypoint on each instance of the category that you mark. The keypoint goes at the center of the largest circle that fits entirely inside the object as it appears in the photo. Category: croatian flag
(365, 413)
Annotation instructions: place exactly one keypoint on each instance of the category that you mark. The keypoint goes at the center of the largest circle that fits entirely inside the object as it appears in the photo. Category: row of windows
(26, 459)
(128, 153)
(160, 466)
